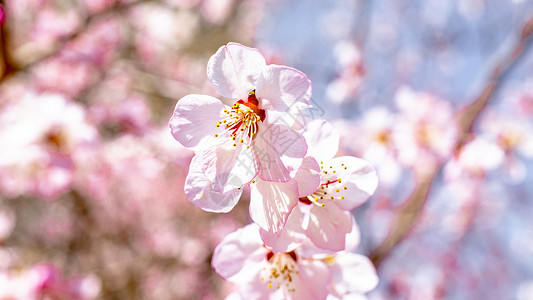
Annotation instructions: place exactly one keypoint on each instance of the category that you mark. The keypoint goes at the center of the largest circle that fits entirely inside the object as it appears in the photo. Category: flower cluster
(300, 194)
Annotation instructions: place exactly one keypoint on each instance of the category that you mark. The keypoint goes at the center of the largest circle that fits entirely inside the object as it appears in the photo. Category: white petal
(284, 92)
(271, 203)
(280, 151)
(322, 140)
(193, 123)
(312, 282)
(328, 226)
(353, 273)
(238, 253)
(228, 167)
(234, 70)
(357, 176)
(308, 177)
(200, 191)
(290, 237)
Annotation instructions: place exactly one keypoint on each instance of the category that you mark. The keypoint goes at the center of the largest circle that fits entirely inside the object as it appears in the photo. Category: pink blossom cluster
(300, 194)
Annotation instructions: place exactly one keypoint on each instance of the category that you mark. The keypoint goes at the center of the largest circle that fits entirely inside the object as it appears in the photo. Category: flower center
(241, 122)
(331, 187)
(281, 270)
(509, 140)
(56, 140)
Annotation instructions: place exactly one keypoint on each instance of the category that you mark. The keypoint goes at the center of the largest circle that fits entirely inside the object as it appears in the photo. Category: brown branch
(6, 65)
(407, 216)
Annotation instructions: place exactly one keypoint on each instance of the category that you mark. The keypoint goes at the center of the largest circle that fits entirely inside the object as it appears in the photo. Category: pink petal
(352, 240)
(328, 226)
(290, 237)
(353, 273)
(228, 167)
(200, 191)
(239, 253)
(234, 70)
(357, 175)
(255, 288)
(284, 92)
(193, 123)
(312, 282)
(308, 177)
(280, 151)
(271, 203)
(322, 140)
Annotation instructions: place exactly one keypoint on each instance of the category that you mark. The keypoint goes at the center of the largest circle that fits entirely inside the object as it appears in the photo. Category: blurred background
(438, 95)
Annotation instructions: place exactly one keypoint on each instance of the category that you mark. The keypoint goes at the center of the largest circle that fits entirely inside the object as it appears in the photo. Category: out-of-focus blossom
(371, 138)
(45, 281)
(52, 24)
(42, 137)
(216, 11)
(514, 135)
(259, 273)
(323, 211)
(474, 160)
(425, 129)
(251, 138)
(7, 223)
(351, 70)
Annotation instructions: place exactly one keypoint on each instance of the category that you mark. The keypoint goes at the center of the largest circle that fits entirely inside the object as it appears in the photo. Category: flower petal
(358, 181)
(228, 167)
(308, 177)
(322, 140)
(280, 151)
(353, 273)
(312, 282)
(284, 92)
(239, 252)
(200, 191)
(290, 237)
(234, 70)
(271, 203)
(193, 123)
(328, 226)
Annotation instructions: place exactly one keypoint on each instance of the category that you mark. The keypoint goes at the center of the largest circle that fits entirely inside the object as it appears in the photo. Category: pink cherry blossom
(253, 137)
(201, 193)
(353, 275)
(474, 159)
(45, 281)
(42, 137)
(302, 273)
(371, 139)
(425, 129)
(323, 210)
(514, 135)
(242, 259)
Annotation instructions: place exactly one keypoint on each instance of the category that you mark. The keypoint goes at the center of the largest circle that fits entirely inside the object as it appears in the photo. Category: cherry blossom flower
(323, 208)
(473, 160)
(259, 273)
(422, 135)
(42, 137)
(44, 281)
(253, 137)
(353, 275)
(371, 139)
(514, 136)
